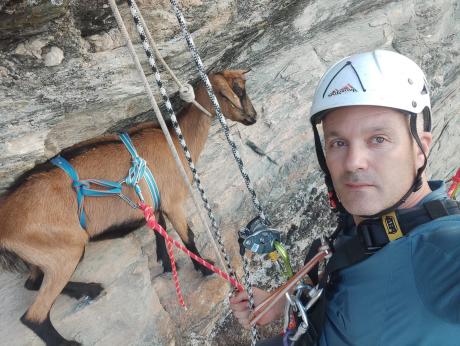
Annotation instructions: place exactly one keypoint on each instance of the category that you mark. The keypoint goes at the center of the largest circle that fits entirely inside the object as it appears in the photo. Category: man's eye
(338, 143)
(378, 139)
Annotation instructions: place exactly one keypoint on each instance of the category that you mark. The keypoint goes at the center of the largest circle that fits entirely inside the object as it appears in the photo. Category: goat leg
(177, 217)
(72, 289)
(34, 281)
(192, 247)
(162, 252)
(57, 264)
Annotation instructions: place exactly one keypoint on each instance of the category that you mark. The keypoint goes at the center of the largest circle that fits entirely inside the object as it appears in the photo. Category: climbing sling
(138, 171)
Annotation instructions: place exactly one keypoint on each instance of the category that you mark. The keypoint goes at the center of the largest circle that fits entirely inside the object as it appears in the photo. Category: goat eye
(238, 90)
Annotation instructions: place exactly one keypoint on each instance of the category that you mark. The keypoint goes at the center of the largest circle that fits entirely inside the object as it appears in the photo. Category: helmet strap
(334, 202)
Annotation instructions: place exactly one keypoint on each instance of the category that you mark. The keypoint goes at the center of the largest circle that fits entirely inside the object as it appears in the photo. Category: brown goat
(39, 221)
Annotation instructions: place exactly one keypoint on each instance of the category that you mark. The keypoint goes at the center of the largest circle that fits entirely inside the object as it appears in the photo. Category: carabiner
(286, 263)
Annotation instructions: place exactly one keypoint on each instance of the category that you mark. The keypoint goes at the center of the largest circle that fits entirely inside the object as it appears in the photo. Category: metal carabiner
(301, 330)
(286, 263)
(301, 287)
(302, 311)
(128, 200)
(314, 295)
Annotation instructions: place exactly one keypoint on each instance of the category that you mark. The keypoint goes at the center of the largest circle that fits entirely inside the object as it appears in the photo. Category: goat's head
(230, 88)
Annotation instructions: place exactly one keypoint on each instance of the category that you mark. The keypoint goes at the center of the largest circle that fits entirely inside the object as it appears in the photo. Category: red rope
(169, 247)
(455, 181)
(153, 224)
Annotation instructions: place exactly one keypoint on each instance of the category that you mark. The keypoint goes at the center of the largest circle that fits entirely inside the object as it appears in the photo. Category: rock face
(66, 77)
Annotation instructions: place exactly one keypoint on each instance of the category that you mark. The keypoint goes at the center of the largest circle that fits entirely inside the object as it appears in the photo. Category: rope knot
(80, 184)
(136, 172)
(186, 93)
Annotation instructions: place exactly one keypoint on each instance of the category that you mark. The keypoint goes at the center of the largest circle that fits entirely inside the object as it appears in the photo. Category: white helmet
(378, 78)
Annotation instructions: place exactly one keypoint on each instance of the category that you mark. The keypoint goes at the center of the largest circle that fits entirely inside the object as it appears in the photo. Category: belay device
(260, 239)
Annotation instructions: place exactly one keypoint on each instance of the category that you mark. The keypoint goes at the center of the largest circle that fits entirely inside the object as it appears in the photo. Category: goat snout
(249, 120)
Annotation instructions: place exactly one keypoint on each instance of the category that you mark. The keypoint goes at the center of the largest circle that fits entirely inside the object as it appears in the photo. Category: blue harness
(139, 170)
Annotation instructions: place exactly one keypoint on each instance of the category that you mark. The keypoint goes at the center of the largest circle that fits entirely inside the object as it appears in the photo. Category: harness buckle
(367, 239)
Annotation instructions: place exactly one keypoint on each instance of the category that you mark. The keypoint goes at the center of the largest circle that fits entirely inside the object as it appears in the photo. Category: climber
(394, 275)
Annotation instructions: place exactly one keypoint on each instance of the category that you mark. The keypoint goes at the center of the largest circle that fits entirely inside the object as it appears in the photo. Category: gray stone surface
(128, 312)
(95, 89)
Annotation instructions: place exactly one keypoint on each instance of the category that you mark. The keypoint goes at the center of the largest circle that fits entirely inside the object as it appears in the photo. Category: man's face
(370, 155)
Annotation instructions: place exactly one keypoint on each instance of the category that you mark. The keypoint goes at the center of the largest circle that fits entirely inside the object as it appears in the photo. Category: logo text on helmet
(344, 89)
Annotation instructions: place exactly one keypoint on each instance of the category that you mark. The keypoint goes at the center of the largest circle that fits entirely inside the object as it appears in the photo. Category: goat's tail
(9, 261)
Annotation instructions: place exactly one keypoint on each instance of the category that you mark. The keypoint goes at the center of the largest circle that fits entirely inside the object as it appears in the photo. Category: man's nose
(357, 158)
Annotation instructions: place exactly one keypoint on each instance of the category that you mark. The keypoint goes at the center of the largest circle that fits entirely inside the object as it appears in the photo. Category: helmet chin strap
(333, 199)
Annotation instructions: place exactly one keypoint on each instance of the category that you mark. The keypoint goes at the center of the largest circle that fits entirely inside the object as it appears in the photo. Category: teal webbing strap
(138, 171)
(82, 187)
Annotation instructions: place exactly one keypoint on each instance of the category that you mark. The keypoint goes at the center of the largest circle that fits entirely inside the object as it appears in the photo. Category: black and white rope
(188, 156)
(215, 103)
(162, 123)
(248, 288)
(232, 144)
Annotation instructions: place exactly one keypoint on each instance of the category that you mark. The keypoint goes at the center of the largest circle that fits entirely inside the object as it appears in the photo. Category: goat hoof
(93, 290)
(33, 284)
(46, 331)
(168, 269)
(79, 290)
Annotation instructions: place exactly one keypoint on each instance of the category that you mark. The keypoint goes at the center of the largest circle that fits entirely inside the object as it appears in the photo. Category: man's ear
(426, 138)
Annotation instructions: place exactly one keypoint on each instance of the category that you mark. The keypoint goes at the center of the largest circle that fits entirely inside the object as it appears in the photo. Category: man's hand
(240, 308)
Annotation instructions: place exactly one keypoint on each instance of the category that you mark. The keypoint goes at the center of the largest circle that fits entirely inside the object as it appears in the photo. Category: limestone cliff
(65, 76)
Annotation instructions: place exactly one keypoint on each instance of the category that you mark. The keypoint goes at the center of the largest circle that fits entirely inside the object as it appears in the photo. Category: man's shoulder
(443, 233)
(435, 255)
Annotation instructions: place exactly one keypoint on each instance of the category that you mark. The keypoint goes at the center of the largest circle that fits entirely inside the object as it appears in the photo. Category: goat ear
(222, 85)
(234, 74)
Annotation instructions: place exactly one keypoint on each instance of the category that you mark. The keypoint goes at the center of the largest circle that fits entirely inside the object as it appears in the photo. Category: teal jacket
(408, 293)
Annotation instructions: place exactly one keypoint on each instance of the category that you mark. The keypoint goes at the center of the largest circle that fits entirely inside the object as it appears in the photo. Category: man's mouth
(357, 186)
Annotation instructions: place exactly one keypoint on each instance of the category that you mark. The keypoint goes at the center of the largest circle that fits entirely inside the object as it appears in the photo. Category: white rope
(175, 124)
(186, 93)
(163, 125)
